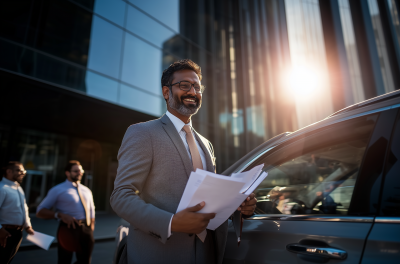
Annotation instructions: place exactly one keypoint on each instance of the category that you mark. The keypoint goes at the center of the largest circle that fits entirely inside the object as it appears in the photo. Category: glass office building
(74, 74)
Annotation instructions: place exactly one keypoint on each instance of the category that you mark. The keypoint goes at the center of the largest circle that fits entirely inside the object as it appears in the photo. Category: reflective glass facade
(268, 67)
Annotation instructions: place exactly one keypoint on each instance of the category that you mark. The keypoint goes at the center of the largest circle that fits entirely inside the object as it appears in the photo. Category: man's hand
(249, 205)
(3, 237)
(92, 223)
(30, 230)
(69, 220)
(188, 221)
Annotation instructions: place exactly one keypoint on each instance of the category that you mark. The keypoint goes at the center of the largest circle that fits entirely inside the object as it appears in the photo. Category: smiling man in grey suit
(155, 162)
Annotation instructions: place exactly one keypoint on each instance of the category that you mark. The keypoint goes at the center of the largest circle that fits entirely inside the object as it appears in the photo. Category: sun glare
(303, 82)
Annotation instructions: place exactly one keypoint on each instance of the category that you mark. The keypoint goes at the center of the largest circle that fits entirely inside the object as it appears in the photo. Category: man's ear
(165, 91)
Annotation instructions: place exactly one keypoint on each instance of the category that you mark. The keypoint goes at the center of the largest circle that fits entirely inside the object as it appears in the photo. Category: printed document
(42, 240)
(222, 194)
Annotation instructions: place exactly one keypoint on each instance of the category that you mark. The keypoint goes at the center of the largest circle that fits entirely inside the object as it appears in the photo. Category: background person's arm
(3, 232)
(43, 210)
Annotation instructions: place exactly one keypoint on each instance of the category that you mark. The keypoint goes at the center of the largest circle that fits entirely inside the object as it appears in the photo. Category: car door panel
(317, 209)
(383, 244)
(265, 241)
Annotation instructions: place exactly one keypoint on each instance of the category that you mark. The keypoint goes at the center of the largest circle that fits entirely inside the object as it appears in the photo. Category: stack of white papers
(222, 194)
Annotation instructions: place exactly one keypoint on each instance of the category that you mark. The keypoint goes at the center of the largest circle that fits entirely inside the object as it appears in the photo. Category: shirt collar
(8, 182)
(179, 124)
(71, 184)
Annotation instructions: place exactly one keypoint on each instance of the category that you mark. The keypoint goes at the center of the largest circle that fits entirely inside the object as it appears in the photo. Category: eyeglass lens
(186, 86)
(77, 171)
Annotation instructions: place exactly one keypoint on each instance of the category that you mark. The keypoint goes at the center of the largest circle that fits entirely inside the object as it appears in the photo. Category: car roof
(373, 105)
(372, 101)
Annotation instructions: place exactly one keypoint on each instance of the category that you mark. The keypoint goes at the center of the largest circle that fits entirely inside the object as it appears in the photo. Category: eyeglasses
(77, 171)
(186, 86)
(21, 171)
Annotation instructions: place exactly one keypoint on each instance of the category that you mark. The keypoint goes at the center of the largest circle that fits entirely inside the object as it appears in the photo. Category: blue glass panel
(101, 87)
(105, 48)
(140, 101)
(28, 62)
(142, 64)
(165, 11)
(112, 10)
(147, 28)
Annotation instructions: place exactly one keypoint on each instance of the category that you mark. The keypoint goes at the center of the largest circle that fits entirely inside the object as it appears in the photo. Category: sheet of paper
(221, 194)
(42, 240)
(227, 211)
(256, 183)
(195, 179)
(217, 194)
(218, 176)
(251, 177)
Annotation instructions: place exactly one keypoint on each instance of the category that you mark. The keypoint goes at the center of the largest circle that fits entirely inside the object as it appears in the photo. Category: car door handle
(325, 252)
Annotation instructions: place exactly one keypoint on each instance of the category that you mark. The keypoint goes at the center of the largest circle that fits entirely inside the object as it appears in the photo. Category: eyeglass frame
(19, 171)
(202, 87)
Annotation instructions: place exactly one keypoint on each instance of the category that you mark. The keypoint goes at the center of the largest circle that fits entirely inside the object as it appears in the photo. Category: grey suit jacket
(154, 162)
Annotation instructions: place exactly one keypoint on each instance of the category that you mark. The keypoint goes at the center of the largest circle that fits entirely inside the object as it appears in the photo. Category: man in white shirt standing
(14, 214)
(74, 208)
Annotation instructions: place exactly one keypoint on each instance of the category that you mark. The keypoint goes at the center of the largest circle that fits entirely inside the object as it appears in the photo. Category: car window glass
(390, 203)
(315, 174)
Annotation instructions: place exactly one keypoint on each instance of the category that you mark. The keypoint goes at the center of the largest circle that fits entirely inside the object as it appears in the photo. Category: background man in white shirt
(14, 214)
(74, 207)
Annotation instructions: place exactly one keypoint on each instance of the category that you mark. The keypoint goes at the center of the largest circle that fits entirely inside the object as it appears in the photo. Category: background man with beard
(14, 213)
(74, 208)
(155, 162)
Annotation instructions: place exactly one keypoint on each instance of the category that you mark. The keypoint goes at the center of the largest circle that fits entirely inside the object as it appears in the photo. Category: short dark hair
(10, 165)
(70, 164)
(179, 65)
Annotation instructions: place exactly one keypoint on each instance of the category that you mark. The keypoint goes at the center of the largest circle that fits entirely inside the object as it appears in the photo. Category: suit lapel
(206, 151)
(176, 139)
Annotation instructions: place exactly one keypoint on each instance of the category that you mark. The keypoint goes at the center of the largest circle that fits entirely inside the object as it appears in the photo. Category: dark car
(332, 193)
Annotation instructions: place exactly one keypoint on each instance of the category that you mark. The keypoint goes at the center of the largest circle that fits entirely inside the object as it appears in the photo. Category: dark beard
(181, 108)
(19, 179)
(75, 179)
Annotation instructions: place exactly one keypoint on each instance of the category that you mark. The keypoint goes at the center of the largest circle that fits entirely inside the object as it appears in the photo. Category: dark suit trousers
(12, 246)
(79, 240)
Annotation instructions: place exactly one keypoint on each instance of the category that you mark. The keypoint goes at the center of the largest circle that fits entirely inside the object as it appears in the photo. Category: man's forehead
(185, 74)
(76, 167)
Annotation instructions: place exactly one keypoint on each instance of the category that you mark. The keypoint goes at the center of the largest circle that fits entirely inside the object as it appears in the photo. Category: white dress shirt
(65, 199)
(179, 124)
(13, 207)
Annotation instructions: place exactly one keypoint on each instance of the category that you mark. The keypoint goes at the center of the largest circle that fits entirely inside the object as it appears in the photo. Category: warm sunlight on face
(303, 82)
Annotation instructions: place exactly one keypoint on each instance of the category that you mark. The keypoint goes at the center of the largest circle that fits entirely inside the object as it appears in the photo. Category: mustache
(190, 97)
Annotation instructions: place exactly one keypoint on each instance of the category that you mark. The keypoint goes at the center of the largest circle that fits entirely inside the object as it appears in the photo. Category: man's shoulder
(4, 185)
(59, 187)
(145, 127)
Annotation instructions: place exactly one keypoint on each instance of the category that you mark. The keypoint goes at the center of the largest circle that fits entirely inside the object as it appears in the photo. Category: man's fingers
(197, 207)
(209, 216)
(73, 224)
